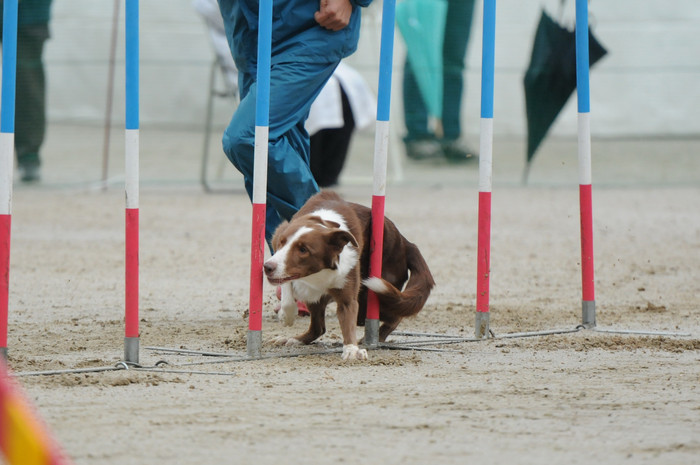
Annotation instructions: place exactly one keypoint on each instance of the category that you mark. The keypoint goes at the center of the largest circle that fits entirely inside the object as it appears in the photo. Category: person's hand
(333, 14)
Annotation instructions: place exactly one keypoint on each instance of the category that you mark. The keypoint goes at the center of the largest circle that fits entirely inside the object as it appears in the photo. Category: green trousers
(457, 30)
(30, 104)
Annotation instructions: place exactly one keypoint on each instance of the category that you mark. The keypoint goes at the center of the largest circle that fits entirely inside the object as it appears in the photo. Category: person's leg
(30, 116)
(293, 87)
(329, 148)
(414, 108)
(457, 31)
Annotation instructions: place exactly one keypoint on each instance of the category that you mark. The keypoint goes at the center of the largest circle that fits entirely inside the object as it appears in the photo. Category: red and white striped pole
(7, 154)
(584, 164)
(131, 336)
(483, 267)
(381, 150)
(262, 122)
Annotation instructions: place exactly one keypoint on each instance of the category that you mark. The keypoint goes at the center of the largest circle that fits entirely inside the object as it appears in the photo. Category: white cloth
(327, 110)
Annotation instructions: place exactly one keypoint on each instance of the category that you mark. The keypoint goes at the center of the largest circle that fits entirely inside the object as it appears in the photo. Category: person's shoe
(30, 173)
(454, 152)
(423, 149)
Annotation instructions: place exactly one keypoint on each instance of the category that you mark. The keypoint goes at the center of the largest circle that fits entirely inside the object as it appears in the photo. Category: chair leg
(207, 126)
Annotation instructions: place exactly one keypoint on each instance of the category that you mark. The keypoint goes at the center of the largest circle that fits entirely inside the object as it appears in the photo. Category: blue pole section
(262, 104)
(9, 66)
(132, 64)
(386, 60)
(488, 58)
(582, 56)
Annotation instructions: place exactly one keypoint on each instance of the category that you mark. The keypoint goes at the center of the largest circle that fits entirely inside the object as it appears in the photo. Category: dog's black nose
(269, 267)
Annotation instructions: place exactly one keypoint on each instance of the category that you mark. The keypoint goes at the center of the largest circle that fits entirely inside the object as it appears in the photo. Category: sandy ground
(578, 397)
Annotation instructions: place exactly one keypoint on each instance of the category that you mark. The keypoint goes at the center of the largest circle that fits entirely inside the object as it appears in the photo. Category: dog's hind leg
(387, 327)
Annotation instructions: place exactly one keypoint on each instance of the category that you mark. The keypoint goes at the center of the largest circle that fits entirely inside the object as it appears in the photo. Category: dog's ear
(326, 223)
(276, 238)
(337, 240)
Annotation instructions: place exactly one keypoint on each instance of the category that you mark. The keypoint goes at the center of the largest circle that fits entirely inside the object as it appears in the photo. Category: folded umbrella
(551, 78)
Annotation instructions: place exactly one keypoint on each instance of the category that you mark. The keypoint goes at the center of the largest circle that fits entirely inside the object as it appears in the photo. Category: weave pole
(483, 267)
(131, 155)
(584, 164)
(7, 153)
(381, 150)
(262, 123)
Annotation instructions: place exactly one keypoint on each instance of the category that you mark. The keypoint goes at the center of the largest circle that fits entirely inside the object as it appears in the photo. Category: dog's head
(304, 247)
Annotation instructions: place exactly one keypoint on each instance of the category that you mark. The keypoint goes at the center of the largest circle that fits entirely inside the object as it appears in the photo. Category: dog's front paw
(287, 314)
(352, 352)
(286, 341)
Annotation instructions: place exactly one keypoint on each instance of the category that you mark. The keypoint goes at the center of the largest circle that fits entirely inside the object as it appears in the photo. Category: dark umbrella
(551, 78)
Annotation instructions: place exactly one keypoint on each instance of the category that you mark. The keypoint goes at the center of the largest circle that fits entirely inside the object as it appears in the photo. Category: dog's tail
(415, 293)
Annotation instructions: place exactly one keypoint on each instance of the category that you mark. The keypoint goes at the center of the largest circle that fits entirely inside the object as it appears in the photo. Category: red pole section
(257, 255)
(5, 228)
(376, 252)
(483, 266)
(132, 273)
(587, 268)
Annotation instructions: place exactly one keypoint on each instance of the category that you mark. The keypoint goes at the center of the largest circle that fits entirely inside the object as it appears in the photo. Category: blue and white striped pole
(131, 156)
(7, 154)
(485, 169)
(381, 150)
(262, 122)
(584, 164)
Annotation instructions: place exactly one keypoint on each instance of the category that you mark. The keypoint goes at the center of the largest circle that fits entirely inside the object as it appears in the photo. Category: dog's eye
(303, 249)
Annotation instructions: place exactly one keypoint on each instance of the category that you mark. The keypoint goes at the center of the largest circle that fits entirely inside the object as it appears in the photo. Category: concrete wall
(647, 85)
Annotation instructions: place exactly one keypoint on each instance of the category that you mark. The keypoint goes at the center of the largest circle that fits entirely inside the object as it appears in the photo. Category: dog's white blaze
(375, 284)
(280, 257)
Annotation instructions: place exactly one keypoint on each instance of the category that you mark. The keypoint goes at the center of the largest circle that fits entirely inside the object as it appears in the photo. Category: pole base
(588, 314)
(254, 343)
(482, 330)
(371, 333)
(131, 350)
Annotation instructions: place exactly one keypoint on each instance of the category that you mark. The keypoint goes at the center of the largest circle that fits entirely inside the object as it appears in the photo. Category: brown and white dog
(322, 255)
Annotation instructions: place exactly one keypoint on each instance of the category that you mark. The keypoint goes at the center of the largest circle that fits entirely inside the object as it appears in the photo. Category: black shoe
(423, 149)
(456, 153)
(30, 173)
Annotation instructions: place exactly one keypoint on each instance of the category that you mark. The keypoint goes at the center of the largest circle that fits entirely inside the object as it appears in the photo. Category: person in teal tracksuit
(309, 38)
(30, 109)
